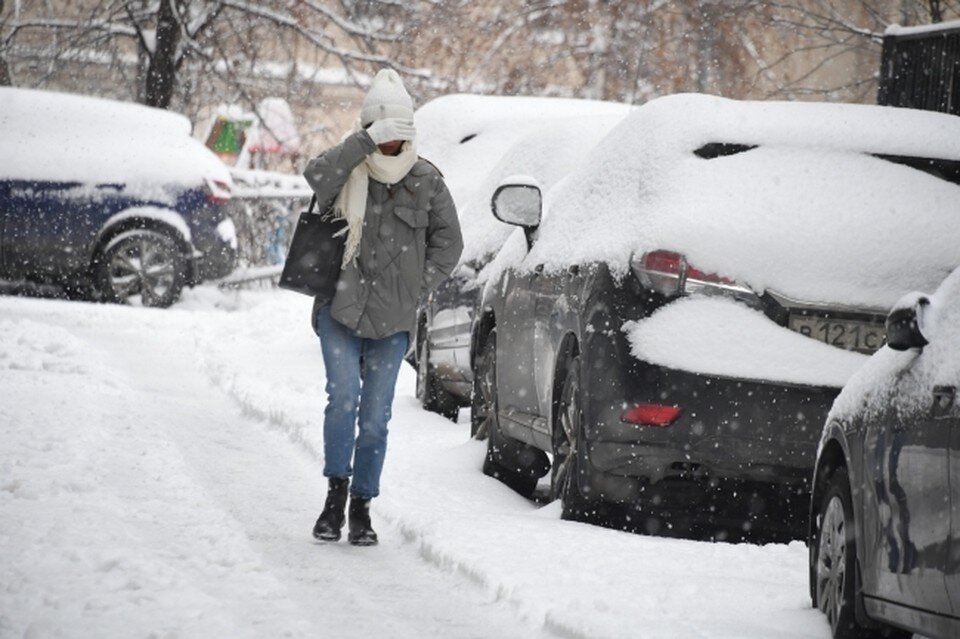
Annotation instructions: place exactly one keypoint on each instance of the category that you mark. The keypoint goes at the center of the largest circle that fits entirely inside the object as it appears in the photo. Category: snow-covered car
(885, 514)
(672, 333)
(109, 199)
(476, 141)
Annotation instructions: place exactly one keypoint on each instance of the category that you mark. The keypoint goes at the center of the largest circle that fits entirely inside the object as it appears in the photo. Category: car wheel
(834, 563)
(484, 389)
(431, 394)
(835, 558)
(568, 442)
(141, 266)
(515, 464)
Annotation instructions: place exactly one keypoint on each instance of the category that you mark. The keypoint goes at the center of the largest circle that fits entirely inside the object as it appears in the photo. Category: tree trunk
(161, 73)
(936, 14)
(5, 80)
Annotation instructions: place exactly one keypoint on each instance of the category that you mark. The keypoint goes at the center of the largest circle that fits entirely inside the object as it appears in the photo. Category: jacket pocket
(415, 218)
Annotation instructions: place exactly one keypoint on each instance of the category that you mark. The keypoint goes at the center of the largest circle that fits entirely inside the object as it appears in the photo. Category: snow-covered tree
(845, 35)
(222, 39)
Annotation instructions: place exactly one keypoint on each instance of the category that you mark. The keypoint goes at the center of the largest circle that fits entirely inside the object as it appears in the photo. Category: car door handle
(943, 399)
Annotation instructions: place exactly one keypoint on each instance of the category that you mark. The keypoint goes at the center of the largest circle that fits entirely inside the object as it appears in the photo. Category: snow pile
(906, 379)
(809, 213)
(71, 138)
(717, 336)
(466, 135)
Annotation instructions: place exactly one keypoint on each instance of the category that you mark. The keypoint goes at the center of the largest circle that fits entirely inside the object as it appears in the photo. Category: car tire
(143, 265)
(521, 472)
(833, 565)
(433, 397)
(483, 398)
(568, 445)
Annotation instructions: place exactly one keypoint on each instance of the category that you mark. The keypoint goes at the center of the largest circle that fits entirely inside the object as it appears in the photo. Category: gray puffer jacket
(411, 240)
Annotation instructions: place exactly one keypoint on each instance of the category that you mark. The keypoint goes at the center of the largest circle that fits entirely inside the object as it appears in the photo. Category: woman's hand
(390, 129)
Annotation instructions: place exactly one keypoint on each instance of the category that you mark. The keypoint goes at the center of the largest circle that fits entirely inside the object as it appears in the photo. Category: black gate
(920, 68)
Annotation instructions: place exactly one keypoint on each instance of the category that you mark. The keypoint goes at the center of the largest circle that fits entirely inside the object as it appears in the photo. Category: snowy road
(161, 471)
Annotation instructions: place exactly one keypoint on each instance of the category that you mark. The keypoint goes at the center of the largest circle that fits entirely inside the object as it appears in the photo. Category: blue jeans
(352, 389)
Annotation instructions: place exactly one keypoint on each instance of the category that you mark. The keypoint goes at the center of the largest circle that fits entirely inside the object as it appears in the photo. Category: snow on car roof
(65, 137)
(466, 135)
(547, 152)
(810, 212)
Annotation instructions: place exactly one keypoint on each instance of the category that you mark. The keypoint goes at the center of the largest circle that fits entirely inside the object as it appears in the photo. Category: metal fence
(264, 208)
(920, 68)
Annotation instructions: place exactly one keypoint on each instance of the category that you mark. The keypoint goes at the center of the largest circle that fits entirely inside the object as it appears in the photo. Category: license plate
(852, 335)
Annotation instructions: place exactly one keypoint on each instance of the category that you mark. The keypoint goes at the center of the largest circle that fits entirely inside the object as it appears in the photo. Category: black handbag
(313, 261)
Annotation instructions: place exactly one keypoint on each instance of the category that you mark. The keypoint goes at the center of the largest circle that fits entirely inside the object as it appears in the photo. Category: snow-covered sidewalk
(161, 471)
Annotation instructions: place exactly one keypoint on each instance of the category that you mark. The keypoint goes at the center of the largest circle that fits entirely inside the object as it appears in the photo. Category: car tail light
(652, 414)
(670, 274)
(661, 271)
(218, 191)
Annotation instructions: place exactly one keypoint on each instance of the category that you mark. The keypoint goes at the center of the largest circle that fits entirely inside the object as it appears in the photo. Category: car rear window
(713, 150)
(948, 170)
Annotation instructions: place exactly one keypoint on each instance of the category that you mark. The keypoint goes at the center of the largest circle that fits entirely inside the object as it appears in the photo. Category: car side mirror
(903, 326)
(519, 204)
(518, 201)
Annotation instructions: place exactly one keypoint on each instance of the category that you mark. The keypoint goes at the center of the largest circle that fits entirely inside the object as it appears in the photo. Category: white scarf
(351, 204)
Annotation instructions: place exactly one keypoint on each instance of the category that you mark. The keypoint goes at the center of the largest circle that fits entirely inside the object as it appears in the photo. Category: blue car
(112, 200)
(885, 516)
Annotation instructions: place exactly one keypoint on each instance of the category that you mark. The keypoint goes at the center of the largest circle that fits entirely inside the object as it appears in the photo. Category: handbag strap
(313, 203)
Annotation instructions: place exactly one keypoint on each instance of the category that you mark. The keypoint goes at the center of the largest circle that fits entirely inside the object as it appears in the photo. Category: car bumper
(731, 433)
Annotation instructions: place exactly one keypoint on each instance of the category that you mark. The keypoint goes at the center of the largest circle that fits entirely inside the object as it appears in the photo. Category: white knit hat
(387, 98)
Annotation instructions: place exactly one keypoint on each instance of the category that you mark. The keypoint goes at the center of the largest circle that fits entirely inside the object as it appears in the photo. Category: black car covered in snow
(885, 515)
(671, 335)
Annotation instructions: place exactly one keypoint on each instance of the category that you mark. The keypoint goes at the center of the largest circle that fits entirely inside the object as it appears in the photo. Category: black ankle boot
(361, 533)
(331, 519)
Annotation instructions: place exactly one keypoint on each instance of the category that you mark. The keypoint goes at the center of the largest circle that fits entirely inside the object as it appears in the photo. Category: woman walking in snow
(403, 238)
